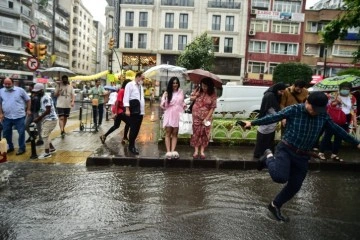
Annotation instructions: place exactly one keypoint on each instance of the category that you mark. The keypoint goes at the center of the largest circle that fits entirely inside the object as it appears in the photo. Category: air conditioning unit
(251, 32)
(253, 11)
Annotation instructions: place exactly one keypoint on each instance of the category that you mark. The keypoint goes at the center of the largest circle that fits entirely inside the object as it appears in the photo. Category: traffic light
(30, 48)
(41, 51)
(111, 43)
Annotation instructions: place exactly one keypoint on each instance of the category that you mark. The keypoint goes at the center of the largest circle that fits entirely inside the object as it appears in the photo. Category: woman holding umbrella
(202, 111)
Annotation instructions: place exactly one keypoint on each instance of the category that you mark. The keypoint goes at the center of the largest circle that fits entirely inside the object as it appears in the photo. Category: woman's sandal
(202, 156)
(168, 155)
(195, 156)
(175, 155)
(321, 156)
(124, 141)
(336, 158)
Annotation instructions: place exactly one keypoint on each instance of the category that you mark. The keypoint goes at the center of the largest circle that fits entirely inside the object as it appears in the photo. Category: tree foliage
(338, 28)
(198, 54)
(292, 71)
(349, 71)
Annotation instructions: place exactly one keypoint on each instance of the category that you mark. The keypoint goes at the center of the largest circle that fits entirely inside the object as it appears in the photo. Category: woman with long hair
(202, 111)
(120, 115)
(172, 101)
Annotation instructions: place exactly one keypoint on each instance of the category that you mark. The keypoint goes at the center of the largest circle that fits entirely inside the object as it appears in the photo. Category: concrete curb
(214, 164)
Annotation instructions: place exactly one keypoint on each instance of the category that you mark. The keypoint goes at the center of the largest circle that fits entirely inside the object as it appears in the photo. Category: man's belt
(299, 151)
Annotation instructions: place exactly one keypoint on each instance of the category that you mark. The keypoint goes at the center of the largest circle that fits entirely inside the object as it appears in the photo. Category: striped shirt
(302, 130)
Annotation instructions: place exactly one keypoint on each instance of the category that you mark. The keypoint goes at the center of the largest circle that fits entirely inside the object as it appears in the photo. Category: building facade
(154, 32)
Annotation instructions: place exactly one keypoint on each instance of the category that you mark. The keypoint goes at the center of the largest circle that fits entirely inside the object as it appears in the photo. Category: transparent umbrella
(165, 71)
(57, 72)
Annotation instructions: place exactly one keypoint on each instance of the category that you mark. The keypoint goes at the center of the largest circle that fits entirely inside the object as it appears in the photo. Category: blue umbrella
(110, 88)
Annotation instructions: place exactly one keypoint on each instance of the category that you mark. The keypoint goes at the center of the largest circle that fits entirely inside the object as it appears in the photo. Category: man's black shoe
(277, 214)
(10, 150)
(20, 152)
(261, 162)
(28, 140)
(134, 150)
(39, 142)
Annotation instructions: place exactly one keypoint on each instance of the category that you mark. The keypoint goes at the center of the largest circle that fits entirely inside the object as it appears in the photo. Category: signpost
(32, 32)
(32, 63)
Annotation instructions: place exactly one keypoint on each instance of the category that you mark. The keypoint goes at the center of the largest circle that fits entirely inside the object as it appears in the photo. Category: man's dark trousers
(287, 167)
(135, 124)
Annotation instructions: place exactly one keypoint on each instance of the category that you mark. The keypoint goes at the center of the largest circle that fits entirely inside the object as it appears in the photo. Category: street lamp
(325, 55)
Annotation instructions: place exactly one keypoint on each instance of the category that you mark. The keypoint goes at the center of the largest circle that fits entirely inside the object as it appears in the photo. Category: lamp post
(325, 55)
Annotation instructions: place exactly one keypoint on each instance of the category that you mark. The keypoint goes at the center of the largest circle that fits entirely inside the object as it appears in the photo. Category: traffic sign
(32, 63)
(33, 31)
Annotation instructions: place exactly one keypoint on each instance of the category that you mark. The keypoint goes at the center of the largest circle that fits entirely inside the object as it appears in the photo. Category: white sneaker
(44, 155)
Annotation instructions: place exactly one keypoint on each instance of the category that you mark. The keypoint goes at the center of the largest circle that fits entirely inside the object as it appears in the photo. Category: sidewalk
(85, 147)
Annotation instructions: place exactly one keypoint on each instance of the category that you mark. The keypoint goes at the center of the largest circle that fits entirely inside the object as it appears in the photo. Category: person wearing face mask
(65, 101)
(134, 103)
(13, 101)
(347, 102)
(48, 117)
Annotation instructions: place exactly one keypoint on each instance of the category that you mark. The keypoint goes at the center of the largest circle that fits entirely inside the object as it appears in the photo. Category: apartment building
(153, 32)
(275, 31)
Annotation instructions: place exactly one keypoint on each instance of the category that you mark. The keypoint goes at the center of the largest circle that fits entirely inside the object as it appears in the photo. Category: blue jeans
(19, 125)
(287, 167)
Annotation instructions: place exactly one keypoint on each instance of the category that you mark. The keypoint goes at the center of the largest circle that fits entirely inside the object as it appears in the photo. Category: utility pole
(53, 34)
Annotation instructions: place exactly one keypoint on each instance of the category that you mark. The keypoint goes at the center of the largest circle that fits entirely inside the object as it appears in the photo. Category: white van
(239, 99)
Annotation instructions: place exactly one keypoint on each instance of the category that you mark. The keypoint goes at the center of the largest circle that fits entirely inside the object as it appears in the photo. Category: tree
(338, 28)
(292, 71)
(349, 71)
(198, 54)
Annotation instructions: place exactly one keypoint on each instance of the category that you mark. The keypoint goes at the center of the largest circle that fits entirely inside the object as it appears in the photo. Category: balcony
(180, 3)
(141, 2)
(27, 2)
(228, 5)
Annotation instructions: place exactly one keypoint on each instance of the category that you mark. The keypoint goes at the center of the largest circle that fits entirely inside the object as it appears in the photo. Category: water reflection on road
(74, 202)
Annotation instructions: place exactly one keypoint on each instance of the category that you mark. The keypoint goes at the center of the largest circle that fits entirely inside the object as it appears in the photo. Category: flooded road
(75, 202)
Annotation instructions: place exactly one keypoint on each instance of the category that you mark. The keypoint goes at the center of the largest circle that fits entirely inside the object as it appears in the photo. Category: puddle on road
(44, 201)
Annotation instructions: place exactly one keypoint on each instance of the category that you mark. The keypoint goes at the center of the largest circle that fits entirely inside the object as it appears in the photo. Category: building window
(257, 46)
(129, 21)
(6, 41)
(142, 40)
(128, 40)
(168, 42)
(216, 21)
(182, 42)
(285, 27)
(315, 26)
(256, 67)
(344, 50)
(169, 20)
(284, 48)
(260, 4)
(228, 45)
(143, 22)
(216, 43)
(272, 67)
(311, 49)
(183, 21)
(259, 25)
(287, 6)
(229, 23)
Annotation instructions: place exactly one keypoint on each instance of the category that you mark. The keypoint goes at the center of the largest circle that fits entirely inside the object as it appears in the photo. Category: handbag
(337, 115)
(134, 106)
(185, 123)
(95, 102)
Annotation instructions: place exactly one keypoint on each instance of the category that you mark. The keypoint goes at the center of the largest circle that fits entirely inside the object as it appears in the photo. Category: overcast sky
(97, 8)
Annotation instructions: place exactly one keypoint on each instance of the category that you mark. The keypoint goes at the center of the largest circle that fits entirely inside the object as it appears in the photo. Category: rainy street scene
(179, 120)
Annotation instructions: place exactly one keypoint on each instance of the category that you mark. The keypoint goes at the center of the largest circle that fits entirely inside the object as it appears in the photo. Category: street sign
(32, 63)
(33, 31)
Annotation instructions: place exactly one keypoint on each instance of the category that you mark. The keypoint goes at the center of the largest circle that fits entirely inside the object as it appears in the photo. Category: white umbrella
(57, 72)
(165, 70)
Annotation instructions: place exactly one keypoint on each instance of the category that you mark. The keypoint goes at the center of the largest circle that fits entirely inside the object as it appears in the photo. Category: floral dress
(201, 134)
(173, 109)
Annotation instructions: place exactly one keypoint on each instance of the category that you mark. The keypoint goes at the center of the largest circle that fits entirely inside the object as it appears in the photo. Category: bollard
(33, 134)
(81, 127)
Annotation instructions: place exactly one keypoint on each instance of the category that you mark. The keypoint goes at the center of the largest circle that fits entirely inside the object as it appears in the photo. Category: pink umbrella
(197, 75)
